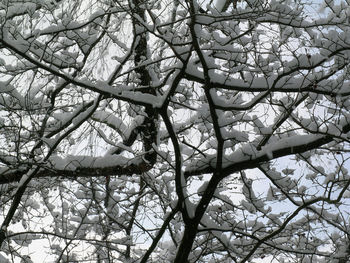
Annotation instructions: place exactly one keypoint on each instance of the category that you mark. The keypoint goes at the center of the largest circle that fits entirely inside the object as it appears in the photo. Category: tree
(175, 131)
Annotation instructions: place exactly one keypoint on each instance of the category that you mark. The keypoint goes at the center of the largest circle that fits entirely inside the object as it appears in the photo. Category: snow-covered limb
(241, 160)
(82, 166)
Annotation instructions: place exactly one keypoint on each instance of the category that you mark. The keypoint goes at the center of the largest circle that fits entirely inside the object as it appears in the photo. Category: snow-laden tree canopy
(174, 130)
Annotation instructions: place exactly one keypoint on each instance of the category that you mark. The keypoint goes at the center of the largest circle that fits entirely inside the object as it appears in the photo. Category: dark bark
(186, 243)
(148, 129)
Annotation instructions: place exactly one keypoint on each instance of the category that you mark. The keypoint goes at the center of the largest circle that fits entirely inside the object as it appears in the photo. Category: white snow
(72, 163)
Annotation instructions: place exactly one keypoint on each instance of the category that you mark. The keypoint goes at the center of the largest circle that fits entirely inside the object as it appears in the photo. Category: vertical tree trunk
(149, 127)
(186, 243)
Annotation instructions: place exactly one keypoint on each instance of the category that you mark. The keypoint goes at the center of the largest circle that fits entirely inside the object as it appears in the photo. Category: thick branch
(138, 166)
(279, 149)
